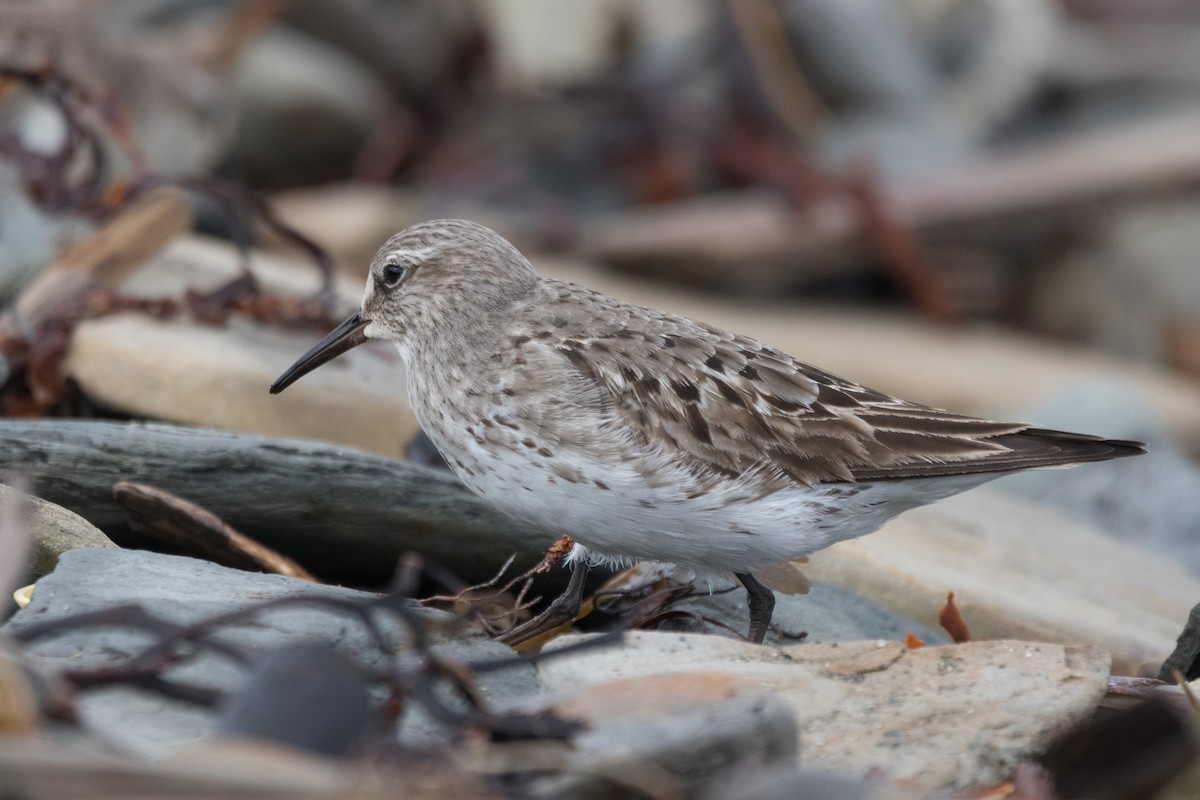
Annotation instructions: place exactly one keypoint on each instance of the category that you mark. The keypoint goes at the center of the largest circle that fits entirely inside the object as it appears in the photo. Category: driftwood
(169, 518)
(344, 514)
(753, 240)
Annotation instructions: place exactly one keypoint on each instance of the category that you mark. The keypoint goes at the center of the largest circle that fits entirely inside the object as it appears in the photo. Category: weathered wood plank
(344, 514)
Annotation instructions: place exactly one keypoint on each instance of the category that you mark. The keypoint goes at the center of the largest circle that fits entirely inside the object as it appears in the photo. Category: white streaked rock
(940, 717)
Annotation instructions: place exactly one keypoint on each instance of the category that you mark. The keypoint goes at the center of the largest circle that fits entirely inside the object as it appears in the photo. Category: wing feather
(728, 405)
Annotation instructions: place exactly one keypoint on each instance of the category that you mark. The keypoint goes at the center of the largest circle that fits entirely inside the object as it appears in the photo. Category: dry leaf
(952, 621)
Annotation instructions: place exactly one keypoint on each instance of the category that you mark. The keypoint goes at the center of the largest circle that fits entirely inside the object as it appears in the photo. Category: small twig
(158, 513)
(901, 251)
(16, 537)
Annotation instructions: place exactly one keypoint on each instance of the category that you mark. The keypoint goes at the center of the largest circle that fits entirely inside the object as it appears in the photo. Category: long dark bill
(344, 337)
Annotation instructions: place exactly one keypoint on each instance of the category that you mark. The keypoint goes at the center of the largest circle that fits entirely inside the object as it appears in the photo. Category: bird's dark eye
(393, 273)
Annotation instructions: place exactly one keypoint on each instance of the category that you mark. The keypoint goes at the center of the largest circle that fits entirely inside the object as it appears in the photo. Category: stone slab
(941, 717)
(1018, 571)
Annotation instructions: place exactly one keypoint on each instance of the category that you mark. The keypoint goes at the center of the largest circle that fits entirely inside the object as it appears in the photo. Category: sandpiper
(647, 435)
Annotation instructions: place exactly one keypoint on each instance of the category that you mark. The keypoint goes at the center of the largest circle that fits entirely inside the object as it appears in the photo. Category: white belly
(611, 511)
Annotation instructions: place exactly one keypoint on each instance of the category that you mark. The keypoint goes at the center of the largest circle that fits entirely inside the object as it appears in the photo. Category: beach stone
(1152, 501)
(304, 109)
(1018, 571)
(55, 531)
(1185, 658)
(828, 613)
(813, 784)
(179, 370)
(351, 219)
(676, 732)
(940, 717)
(184, 590)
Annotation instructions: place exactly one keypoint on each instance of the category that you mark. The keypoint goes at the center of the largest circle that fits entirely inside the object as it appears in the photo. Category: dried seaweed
(74, 178)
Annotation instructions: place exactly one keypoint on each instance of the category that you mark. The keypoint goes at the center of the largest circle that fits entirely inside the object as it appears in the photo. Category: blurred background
(987, 205)
(990, 206)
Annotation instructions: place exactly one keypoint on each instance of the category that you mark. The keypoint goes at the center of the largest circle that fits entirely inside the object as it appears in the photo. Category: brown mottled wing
(729, 405)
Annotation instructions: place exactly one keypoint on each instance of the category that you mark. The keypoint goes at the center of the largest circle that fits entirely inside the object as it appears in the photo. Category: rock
(828, 613)
(1152, 501)
(1133, 751)
(352, 219)
(304, 109)
(1018, 571)
(669, 735)
(218, 377)
(1185, 658)
(1125, 290)
(303, 695)
(345, 515)
(183, 590)
(182, 371)
(543, 43)
(940, 717)
(55, 531)
(812, 784)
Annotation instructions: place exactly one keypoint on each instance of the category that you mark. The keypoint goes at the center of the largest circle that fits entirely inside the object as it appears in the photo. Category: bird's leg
(762, 605)
(564, 609)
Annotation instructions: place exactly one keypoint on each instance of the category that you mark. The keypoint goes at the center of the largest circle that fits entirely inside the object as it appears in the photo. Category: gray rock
(55, 531)
(812, 784)
(938, 717)
(670, 735)
(1018, 571)
(828, 613)
(304, 695)
(1185, 658)
(1152, 501)
(184, 590)
(285, 82)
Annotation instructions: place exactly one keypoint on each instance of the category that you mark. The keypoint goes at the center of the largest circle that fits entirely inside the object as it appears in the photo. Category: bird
(650, 436)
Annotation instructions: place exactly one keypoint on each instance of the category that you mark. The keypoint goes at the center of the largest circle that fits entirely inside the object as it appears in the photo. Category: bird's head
(435, 281)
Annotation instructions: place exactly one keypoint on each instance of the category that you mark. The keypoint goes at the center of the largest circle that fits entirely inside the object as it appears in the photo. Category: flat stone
(670, 735)
(828, 613)
(184, 590)
(1018, 571)
(1152, 502)
(351, 219)
(178, 370)
(1185, 658)
(55, 531)
(941, 717)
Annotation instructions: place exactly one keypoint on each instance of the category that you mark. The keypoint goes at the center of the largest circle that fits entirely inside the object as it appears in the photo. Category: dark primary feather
(731, 406)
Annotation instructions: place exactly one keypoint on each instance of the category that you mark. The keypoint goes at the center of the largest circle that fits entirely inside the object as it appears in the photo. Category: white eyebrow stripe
(415, 256)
